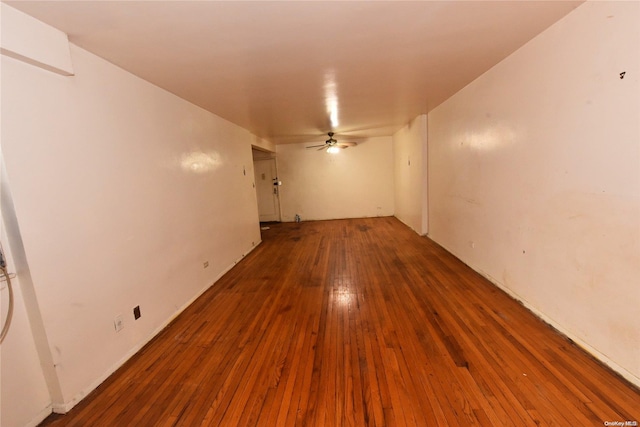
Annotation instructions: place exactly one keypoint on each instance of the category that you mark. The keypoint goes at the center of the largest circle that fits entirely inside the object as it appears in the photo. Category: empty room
(320, 213)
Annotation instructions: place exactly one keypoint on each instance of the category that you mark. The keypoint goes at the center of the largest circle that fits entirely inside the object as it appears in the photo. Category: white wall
(410, 171)
(34, 42)
(263, 144)
(534, 178)
(24, 395)
(122, 191)
(25, 387)
(356, 182)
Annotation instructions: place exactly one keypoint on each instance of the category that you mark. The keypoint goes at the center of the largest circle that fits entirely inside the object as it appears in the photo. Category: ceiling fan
(332, 145)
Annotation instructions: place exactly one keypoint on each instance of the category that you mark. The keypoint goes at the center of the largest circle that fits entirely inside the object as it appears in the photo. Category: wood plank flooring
(356, 323)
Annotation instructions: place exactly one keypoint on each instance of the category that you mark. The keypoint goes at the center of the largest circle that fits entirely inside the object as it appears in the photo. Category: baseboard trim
(40, 416)
(618, 369)
(67, 406)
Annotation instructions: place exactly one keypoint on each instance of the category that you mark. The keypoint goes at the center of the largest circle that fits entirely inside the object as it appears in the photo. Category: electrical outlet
(136, 312)
(118, 323)
(205, 264)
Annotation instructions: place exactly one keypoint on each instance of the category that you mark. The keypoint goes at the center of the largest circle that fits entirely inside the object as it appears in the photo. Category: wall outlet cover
(118, 323)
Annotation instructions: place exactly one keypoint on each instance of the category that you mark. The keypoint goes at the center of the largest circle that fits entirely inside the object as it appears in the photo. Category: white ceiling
(279, 69)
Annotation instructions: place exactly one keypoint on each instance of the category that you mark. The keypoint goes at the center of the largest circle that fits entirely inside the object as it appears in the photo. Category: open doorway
(267, 188)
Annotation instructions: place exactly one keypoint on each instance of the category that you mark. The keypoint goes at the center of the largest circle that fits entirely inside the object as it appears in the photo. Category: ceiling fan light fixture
(333, 146)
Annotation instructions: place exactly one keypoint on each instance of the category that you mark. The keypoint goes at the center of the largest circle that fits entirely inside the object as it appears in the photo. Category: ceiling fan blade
(346, 144)
(323, 148)
(388, 128)
(316, 146)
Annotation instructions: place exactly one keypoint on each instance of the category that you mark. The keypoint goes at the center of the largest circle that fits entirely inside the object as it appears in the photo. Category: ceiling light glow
(331, 97)
(200, 162)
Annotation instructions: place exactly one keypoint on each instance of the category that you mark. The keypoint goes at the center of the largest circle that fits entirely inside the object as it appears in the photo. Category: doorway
(267, 190)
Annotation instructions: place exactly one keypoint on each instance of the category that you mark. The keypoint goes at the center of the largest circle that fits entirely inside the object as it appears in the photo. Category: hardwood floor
(356, 322)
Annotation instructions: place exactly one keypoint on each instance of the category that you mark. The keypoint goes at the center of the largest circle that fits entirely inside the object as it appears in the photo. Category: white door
(267, 192)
